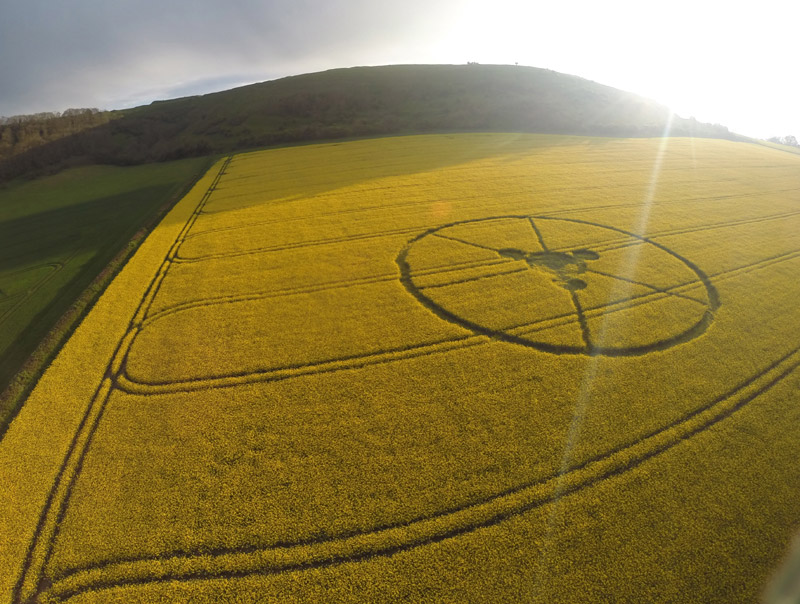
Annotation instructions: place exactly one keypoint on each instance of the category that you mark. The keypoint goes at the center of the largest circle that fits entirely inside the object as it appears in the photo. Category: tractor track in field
(417, 229)
(499, 204)
(357, 361)
(43, 539)
(445, 524)
(380, 541)
(406, 204)
(23, 297)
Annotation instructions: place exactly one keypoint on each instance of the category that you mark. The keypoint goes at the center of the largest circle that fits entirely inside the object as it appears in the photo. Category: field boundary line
(31, 580)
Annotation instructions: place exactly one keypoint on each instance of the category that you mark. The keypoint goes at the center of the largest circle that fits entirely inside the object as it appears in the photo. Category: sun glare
(685, 57)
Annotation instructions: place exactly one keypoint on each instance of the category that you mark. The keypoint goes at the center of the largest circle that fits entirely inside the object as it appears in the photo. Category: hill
(354, 102)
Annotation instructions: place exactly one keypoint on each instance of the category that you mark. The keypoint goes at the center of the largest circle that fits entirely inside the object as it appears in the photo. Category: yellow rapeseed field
(452, 368)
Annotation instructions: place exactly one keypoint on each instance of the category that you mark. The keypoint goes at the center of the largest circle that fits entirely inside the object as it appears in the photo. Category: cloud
(718, 61)
(93, 52)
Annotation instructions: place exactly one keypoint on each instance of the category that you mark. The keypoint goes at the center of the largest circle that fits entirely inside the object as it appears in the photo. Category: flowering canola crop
(479, 367)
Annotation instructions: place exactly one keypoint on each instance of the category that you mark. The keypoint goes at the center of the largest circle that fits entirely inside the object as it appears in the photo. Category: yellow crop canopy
(478, 367)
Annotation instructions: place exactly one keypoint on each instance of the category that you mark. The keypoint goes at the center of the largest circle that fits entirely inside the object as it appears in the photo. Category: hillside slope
(360, 101)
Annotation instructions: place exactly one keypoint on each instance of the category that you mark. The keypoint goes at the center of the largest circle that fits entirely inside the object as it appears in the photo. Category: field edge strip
(31, 580)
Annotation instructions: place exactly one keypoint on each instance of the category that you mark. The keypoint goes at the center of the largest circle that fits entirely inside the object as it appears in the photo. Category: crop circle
(559, 285)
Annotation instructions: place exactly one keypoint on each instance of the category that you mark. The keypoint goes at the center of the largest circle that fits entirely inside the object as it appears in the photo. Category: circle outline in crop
(690, 333)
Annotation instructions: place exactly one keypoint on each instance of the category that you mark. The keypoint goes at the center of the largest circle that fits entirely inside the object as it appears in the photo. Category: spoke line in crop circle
(568, 270)
(660, 290)
(587, 337)
(538, 234)
(456, 239)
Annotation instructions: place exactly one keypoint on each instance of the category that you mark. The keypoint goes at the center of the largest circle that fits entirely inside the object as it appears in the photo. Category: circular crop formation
(548, 283)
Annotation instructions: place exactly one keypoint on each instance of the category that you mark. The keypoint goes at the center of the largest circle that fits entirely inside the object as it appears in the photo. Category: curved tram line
(392, 539)
(22, 297)
(382, 541)
(127, 384)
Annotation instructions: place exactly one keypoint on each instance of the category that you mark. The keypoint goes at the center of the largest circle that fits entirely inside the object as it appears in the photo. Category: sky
(721, 62)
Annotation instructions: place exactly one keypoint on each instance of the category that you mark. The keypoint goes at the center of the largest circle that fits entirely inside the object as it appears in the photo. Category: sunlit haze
(717, 61)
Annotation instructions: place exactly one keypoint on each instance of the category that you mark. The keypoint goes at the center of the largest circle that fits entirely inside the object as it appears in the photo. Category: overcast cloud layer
(708, 59)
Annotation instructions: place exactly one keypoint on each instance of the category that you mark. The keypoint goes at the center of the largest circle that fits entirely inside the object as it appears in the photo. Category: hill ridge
(356, 102)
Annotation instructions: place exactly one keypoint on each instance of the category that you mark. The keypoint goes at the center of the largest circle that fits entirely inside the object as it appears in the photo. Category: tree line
(47, 115)
(21, 133)
(356, 102)
(789, 139)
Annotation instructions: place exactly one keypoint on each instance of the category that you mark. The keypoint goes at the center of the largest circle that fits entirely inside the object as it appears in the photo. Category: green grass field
(462, 368)
(57, 233)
